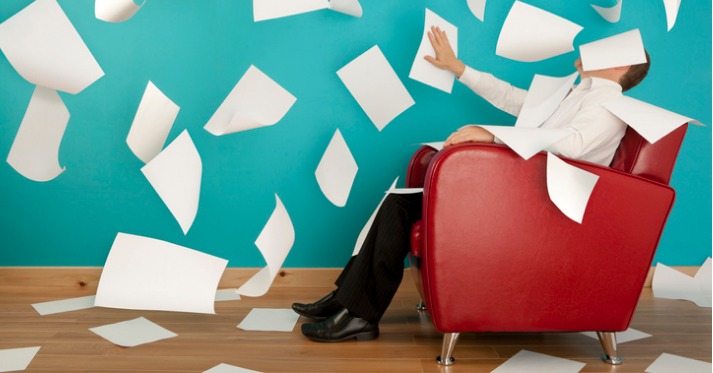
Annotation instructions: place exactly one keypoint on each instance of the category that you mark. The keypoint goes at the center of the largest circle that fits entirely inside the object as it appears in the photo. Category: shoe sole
(315, 318)
(364, 336)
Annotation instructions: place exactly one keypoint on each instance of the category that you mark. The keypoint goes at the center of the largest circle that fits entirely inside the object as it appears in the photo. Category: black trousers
(370, 279)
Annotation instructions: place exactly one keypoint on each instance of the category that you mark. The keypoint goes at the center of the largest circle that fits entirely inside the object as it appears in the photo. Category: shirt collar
(595, 83)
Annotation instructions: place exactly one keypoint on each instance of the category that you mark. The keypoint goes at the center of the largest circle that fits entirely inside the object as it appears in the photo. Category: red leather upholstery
(497, 255)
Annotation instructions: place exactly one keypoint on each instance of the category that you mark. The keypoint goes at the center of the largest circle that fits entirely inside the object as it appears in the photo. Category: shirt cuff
(470, 76)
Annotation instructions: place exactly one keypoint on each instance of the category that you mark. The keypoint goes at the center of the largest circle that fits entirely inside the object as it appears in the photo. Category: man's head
(627, 76)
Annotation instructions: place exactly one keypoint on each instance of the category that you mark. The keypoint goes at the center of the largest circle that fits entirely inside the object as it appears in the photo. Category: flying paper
(14, 359)
(376, 87)
(477, 7)
(116, 10)
(370, 221)
(274, 242)
(143, 273)
(543, 98)
(422, 70)
(175, 174)
(336, 171)
(133, 333)
(271, 9)
(35, 151)
(531, 34)
(44, 48)
(623, 49)
(569, 187)
(152, 123)
(255, 101)
(525, 141)
(534, 362)
(671, 7)
(350, 7)
(612, 14)
(651, 122)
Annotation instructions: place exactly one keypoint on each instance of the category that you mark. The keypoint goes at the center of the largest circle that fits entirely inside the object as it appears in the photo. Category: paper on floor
(668, 363)
(45, 49)
(543, 97)
(569, 187)
(350, 7)
(611, 14)
(336, 171)
(672, 284)
(623, 49)
(133, 333)
(227, 368)
(274, 243)
(622, 337)
(255, 101)
(15, 359)
(531, 34)
(148, 274)
(116, 10)
(269, 320)
(271, 9)
(64, 305)
(650, 121)
(477, 7)
(175, 174)
(376, 87)
(35, 151)
(525, 141)
(370, 221)
(424, 71)
(532, 362)
(152, 123)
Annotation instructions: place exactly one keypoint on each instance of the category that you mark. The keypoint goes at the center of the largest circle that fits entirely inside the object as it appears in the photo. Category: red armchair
(492, 253)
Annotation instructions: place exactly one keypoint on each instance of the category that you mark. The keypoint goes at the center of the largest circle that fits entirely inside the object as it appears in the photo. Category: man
(370, 279)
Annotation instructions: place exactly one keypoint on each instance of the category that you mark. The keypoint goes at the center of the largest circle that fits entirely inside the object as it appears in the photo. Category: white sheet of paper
(45, 49)
(650, 121)
(175, 174)
(14, 359)
(35, 151)
(671, 7)
(623, 49)
(132, 333)
(376, 87)
(622, 337)
(533, 362)
(543, 98)
(672, 284)
(531, 34)
(336, 171)
(274, 243)
(526, 141)
(404, 191)
(64, 305)
(271, 9)
(477, 7)
(422, 70)
(255, 101)
(143, 273)
(569, 187)
(116, 10)
(611, 14)
(350, 7)
(152, 123)
(227, 368)
(438, 145)
(669, 363)
(270, 320)
(223, 295)
(370, 221)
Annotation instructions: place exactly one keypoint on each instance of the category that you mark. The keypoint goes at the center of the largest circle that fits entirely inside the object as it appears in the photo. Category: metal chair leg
(449, 343)
(608, 341)
(421, 306)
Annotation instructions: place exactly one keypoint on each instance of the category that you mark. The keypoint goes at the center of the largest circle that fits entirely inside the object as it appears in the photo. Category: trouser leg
(370, 279)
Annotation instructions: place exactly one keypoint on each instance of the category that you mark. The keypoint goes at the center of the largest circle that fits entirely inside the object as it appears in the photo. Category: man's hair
(636, 74)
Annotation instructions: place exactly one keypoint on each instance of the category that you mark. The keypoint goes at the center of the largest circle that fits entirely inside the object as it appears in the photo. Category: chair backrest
(655, 162)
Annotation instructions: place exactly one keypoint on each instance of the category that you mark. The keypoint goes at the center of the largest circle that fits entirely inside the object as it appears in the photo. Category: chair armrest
(418, 166)
(491, 231)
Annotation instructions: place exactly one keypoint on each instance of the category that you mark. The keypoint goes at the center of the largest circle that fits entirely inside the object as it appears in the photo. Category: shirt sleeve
(499, 93)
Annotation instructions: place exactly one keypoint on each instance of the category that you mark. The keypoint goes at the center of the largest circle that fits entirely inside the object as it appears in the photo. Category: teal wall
(196, 51)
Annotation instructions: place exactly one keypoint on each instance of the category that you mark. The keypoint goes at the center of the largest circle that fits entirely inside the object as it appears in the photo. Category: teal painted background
(196, 51)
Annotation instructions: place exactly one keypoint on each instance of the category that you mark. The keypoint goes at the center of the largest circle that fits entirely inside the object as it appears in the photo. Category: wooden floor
(408, 342)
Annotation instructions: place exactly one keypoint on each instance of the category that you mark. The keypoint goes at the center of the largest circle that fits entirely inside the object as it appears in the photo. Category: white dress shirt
(597, 132)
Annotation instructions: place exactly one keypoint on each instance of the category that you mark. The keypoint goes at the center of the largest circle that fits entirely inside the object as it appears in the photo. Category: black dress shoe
(341, 327)
(319, 310)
